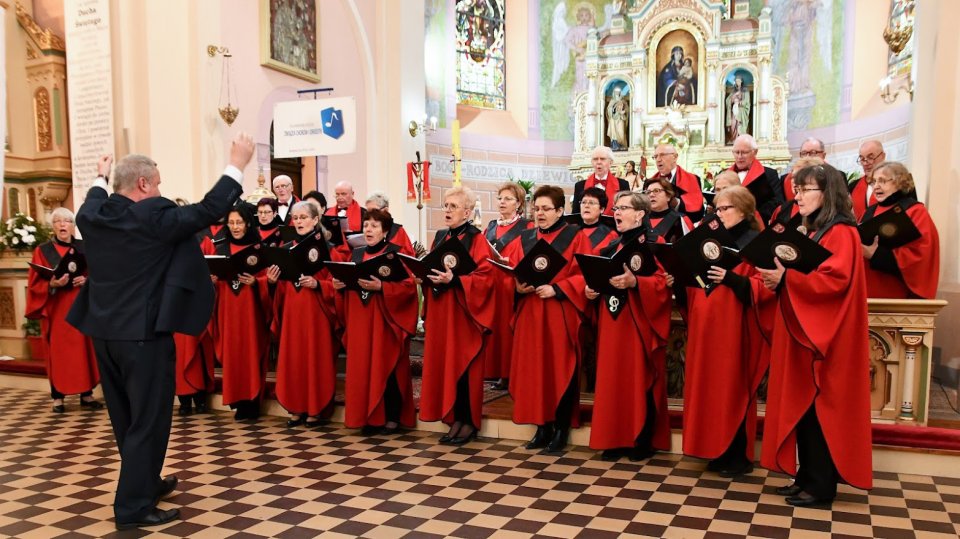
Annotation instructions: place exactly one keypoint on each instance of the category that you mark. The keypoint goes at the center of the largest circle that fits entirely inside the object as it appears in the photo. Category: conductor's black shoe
(557, 443)
(157, 517)
(200, 403)
(91, 404)
(802, 499)
(737, 471)
(541, 438)
(167, 486)
(612, 455)
(59, 408)
(789, 490)
(185, 409)
(296, 421)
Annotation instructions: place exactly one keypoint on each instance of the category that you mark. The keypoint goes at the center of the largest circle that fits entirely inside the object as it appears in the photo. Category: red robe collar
(354, 216)
(693, 194)
(859, 196)
(756, 170)
(611, 186)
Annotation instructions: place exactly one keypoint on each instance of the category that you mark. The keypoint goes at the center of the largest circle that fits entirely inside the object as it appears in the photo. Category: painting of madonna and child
(677, 64)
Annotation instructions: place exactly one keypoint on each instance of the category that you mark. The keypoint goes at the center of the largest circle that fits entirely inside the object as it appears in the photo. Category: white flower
(9, 222)
(29, 218)
(16, 241)
(31, 228)
(30, 239)
(21, 231)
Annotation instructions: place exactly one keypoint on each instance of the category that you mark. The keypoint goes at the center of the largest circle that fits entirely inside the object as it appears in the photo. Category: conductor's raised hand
(103, 165)
(241, 150)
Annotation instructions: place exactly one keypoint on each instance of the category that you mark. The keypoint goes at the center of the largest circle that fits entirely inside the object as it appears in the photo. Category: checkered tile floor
(57, 475)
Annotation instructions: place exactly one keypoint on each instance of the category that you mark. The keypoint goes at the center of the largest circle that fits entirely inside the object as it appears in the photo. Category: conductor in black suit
(147, 279)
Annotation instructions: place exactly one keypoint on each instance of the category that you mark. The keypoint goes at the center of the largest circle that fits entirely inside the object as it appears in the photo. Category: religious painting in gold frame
(289, 39)
(678, 66)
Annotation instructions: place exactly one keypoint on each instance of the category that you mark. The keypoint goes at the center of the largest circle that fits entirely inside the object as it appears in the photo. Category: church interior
(427, 96)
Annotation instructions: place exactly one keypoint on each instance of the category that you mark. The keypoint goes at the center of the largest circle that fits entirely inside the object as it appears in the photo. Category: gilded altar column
(763, 100)
(638, 103)
(714, 103)
(593, 137)
(913, 342)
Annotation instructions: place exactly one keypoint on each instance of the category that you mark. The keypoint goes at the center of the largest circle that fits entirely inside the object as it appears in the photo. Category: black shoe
(185, 409)
(314, 423)
(502, 384)
(156, 517)
(715, 465)
(641, 453)
(91, 404)
(802, 499)
(370, 430)
(59, 408)
(200, 403)
(541, 438)
(296, 421)
(612, 455)
(738, 471)
(558, 443)
(167, 485)
(390, 431)
(461, 440)
(789, 490)
(454, 429)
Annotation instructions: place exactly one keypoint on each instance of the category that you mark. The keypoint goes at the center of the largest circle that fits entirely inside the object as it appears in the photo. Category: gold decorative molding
(43, 38)
(8, 312)
(41, 111)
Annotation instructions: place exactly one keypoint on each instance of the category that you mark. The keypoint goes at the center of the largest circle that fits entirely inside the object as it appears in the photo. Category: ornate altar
(681, 71)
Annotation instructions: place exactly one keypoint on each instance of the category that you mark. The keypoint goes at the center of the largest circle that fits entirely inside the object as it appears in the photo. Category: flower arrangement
(22, 233)
(31, 328)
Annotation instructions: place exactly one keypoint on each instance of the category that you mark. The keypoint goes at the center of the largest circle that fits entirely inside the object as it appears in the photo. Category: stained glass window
(480, 59)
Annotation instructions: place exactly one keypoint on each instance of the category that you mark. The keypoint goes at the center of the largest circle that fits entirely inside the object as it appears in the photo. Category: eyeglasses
(812, 153)
(877, 180)
(868, 158)
(265, 212)
(506, 199)
(656, 191)
(742, 152)
(659, 155)
(721, 209)
(283, 186)
(542, 209)
(800, 191)
(235, 223)
(451, 207)
(622, 208)
(301, 218)
(589, 203)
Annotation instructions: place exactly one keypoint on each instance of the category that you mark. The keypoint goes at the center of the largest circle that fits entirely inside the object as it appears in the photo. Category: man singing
(347, 207)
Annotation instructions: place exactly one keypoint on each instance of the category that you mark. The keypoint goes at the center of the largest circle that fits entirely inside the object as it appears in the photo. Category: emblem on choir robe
(450, 261)
(710, 249)
(252, 260)
(384, 271)
(786, 252)
(72, 267)
(887, 230)
(778, 228)
(614, 306)
(313, 254)
(713, 225)
(802, 229)
(364, 296)
(541, 263)
(235, 285)
(636, 262)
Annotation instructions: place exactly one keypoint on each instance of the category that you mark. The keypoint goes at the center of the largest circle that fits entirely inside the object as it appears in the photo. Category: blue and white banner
(315, 127)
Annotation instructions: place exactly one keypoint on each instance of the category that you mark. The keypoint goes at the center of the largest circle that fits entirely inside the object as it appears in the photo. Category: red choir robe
(270, 236)
(242, 333)
(496, 354)
(304, 323)
(195, 353)
(728, 352)
(216, 233)
(546, 344)
(457, 322)
(631, 361)
(354, 216)
(611, 185)
(377, 338)
(692, 198)
(398, 236)
(822, 364)
(784, 213)
(598, 236)
(668, 226)
(858, 193)
(918, 262)
(71, 362)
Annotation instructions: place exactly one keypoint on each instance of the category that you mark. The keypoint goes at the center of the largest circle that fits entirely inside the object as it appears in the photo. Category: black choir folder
(795, 250)
(451, 254)
(336, 226)
(538, 267)
(305, 258)
(690, 257)
(387, 267)
(247, 260)
(72, 262)
(894, 228)
(598, 270)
